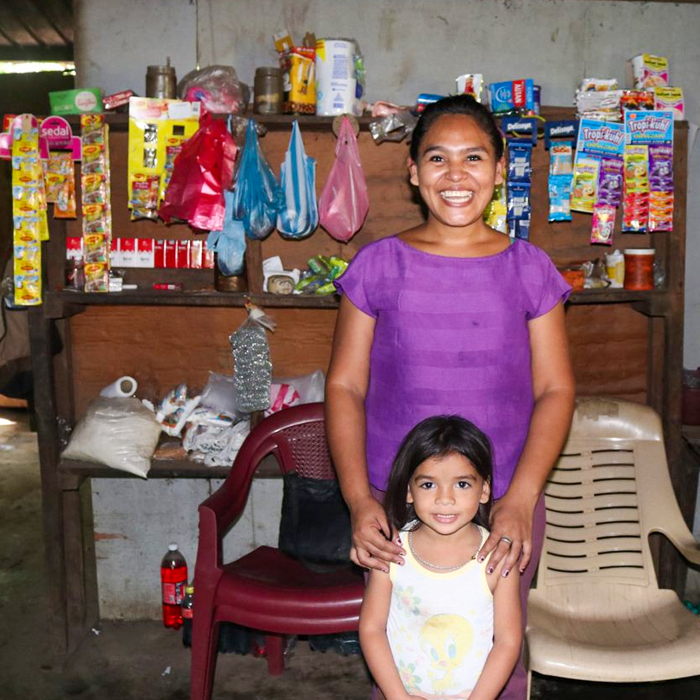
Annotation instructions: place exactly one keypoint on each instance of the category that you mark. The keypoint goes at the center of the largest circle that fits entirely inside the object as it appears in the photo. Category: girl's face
(446, 493)
(456, 171)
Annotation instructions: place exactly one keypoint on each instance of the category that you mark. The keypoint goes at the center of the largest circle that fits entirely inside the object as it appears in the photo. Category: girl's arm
(554, 389)
(373, 639)
(346, 388)
(507, 637)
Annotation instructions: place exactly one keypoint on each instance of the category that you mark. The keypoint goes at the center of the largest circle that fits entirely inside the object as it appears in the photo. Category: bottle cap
(172, 546)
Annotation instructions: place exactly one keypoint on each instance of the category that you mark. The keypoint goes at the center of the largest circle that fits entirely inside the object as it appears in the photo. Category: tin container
(268, 91)
(161, 82)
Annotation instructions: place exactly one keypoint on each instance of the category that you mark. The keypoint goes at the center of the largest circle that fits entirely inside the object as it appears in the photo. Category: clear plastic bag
(217, 88)
(298, 216)
(119, 432)
(257, 196)
(252, 365)
(344, 202)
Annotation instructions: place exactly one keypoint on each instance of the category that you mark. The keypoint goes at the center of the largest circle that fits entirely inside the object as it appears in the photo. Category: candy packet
(560, 197)
(603, 224)
(561, 158)
(585, 185)
(610, 182)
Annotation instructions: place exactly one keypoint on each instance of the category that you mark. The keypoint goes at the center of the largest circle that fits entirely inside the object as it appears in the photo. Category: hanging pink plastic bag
(201, 173)
(344, 202)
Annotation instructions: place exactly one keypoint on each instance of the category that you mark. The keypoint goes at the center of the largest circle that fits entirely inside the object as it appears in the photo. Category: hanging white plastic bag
(298, 216)
(257, 196)
(344, 202)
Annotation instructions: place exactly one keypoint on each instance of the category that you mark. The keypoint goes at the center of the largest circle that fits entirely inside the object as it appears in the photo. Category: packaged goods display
(158, 129)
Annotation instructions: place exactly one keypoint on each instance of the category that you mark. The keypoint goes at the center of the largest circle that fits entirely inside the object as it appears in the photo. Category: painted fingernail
(386, 571)
(399, 562)
(481, 558)
(489, 570)
(506, 572)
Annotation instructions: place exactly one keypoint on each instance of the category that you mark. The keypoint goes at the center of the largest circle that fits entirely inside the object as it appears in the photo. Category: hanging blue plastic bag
(228, 244)
(257, 195)
(298, 216)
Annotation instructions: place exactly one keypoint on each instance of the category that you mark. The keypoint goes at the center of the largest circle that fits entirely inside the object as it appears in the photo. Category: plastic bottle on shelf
(187, 615)
(173, 578)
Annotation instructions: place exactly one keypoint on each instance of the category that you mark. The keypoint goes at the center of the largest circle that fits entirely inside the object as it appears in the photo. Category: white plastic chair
(597, 613)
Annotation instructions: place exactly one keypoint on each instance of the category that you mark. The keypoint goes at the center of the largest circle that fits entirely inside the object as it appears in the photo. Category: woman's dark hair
(439, 436)
(465, 105)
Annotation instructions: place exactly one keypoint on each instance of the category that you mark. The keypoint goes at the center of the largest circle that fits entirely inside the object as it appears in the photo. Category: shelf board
(160, 469)
(66, 302)
(614, 296)
(61, 301)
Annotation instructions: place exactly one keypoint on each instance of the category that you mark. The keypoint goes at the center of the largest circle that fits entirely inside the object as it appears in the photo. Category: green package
(81, 101)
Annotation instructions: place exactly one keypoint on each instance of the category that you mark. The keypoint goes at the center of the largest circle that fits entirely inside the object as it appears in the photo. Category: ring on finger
(506, 539)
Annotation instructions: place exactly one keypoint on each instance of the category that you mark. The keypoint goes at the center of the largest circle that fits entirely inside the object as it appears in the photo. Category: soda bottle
(187, 614)
(173, 577)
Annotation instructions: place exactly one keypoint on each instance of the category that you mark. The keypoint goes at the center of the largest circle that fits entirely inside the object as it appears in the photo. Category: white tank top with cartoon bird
(440, 626)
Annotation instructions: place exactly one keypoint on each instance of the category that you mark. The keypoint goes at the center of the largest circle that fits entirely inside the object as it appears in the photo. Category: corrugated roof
(36, 29)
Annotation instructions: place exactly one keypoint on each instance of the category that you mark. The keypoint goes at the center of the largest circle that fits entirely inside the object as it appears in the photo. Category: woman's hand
(375, 542)
(511, 534)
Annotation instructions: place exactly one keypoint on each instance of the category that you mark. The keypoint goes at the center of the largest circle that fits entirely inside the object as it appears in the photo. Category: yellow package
(155, 125)
(299, 66)
(584, 193)
(96, 277)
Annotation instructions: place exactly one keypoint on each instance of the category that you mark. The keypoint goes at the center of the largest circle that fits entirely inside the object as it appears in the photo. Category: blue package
(519, 161)
(518, 201)
(511, 95)
(560, 197)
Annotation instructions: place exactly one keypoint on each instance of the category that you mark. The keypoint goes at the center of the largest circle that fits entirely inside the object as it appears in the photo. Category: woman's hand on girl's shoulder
(375, 543)
(510, 541)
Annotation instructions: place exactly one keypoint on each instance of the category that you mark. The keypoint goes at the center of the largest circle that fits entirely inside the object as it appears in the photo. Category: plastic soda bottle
(173, 578)
(187, 615)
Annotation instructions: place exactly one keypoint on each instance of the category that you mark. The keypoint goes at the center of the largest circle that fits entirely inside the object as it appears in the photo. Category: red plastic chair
(265, 589)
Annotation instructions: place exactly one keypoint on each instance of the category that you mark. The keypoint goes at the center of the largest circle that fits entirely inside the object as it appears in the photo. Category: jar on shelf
(268, 91)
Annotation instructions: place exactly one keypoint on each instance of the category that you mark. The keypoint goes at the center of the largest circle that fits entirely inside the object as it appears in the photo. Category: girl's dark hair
(438, 436)
(457, 104)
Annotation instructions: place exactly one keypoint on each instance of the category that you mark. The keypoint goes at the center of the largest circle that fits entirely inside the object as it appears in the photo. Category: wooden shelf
(160, 469)
(64, 303)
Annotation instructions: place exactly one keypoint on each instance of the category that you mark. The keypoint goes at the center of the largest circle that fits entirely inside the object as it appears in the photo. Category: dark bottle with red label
(173, 578)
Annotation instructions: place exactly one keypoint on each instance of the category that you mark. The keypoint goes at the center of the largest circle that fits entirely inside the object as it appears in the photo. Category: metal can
(161, 82)
(268, 91)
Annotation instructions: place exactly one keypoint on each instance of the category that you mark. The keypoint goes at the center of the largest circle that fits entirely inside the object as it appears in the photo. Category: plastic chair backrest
(599, 505)
(303, 448)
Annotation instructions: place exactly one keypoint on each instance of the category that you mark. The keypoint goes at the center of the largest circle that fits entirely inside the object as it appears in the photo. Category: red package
(201, 173)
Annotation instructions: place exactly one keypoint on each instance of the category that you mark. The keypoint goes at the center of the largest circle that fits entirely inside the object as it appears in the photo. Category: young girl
(441, 626)
(452, 317)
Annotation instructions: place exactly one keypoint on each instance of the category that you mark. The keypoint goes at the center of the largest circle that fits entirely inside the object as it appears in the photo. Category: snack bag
(585, 186)
(560, 197)
(603, 224)
(344, 202)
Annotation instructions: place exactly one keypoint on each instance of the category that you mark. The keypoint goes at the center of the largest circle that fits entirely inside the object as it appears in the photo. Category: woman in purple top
(452, 317)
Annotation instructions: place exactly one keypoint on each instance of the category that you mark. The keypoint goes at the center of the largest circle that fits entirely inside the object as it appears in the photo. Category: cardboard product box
(145, 252)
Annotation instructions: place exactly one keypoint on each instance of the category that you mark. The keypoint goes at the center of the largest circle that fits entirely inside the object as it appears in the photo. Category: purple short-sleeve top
(451, 337)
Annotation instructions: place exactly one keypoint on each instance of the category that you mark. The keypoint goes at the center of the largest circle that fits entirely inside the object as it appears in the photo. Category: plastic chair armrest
(682, 539)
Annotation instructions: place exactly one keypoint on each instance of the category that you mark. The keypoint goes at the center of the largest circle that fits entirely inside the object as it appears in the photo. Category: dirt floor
(144, 661)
